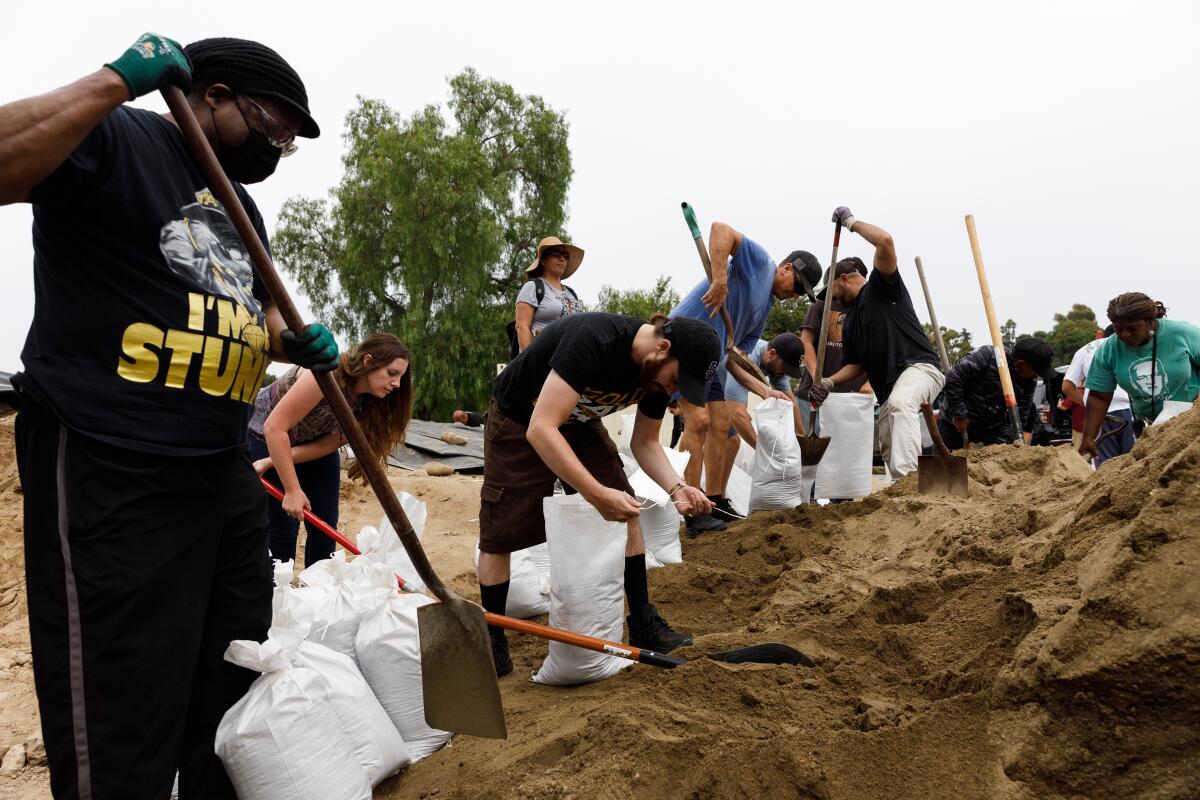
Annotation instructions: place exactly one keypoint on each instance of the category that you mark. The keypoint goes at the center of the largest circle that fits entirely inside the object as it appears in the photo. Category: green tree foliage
(639, 302)
(1008, 333)
(1071, 331)
(958, 343)
(430, 229)
(786, 316)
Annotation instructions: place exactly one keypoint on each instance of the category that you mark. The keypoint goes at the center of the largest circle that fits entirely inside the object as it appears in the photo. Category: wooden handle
(1010, 397)
(933, 320)
(934, 433)
(219, 185)
(689, 214)
(823, 336)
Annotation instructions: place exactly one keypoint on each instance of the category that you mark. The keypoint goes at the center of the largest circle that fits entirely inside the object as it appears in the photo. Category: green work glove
(151, 63)
(312, 348)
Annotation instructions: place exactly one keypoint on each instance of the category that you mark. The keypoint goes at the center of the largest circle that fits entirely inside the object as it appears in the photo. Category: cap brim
(692, 389)
(1048, 374)
(793, 371)
(308, 125)
(798, 279)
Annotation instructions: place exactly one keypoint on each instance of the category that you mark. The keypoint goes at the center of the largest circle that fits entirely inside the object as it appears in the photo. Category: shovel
(812, 446)
(460, 687)
(735, 355)
(942, 473)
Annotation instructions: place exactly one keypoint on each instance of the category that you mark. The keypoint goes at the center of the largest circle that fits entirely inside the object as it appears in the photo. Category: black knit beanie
(254, 69)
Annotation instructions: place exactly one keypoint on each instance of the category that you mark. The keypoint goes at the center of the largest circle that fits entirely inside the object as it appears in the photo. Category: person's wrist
(678, 487)
(848, 223)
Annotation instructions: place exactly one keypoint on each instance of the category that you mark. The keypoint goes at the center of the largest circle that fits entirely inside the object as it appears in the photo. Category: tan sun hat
(574, 255)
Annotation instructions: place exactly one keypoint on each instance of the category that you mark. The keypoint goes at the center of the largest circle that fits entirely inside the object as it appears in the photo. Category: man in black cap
(780, 359)
(747, 282)
(145, 543)
(883, 339)
(974, 399)
(544, 423)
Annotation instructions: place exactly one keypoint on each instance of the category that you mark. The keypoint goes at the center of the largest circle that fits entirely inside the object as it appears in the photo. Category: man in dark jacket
(974, 400)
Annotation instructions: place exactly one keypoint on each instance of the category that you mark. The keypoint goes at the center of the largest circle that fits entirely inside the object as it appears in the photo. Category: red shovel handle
(314, 520)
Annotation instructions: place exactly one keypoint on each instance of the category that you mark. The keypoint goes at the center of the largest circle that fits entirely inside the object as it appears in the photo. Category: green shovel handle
(690, 216)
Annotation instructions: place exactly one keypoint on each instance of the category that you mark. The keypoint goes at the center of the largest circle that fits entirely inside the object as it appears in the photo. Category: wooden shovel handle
(927, 413)
(1010, 397)
(219, 185)
(689, 214)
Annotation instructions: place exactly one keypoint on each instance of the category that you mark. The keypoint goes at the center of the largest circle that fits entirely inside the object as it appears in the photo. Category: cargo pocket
(489, 514)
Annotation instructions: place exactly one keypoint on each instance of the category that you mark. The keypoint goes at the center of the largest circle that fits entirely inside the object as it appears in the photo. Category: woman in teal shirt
(1152, 358)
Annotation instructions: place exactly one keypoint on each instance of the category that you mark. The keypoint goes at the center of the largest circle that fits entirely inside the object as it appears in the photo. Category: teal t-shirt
(1176, 377)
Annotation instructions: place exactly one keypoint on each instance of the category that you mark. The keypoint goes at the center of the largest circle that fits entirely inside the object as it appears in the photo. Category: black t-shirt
(591, 352)
(882, 333)
(833, 347)
(148, 330)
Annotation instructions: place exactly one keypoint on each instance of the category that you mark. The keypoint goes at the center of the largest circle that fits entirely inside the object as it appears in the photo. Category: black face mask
(253, 161)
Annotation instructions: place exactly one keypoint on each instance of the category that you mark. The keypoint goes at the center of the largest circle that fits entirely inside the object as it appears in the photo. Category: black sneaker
(500, 656)
(703, 523)
(651, 632)
(724, 512)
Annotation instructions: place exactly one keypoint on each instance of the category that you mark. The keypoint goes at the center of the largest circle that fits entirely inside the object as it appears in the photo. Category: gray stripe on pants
(83, 761)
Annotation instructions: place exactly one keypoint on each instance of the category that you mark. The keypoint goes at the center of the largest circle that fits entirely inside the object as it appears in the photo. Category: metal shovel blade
(458, 675)
(942, 475)
(812, 449)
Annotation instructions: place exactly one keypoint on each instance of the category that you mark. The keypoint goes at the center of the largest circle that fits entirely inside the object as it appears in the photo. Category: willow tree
(429, 232)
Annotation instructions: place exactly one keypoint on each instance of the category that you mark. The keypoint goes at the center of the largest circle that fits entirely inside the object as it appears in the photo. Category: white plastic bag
(659, 520)
(776, 476)
(738, 488)
(338, 597)
(587, 583)
(283, 738)
(1170, 410)
(389, 654)
(389, 547)
(528, 590)
(844, 472)
(376, 741)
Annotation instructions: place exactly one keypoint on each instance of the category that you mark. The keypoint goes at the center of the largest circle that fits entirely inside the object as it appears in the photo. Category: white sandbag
(338, 597)
(1170, 410)
(389, 547)
(587, 584)
(628, 464)
(776, 473)
(389, 654)
(626, 434)
(539, 554)
(528, 590)
(283, 738)
(737, 489)
(659, 519)
(744, 460)
(376, 741)
(844, 472)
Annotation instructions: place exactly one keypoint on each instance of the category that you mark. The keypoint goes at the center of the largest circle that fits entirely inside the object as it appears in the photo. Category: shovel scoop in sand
(941, 473)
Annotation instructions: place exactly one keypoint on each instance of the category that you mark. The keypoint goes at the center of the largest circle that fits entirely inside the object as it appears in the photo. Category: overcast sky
(1069, 129)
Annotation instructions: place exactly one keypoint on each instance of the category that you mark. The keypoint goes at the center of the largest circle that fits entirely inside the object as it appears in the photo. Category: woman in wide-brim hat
(544, 298)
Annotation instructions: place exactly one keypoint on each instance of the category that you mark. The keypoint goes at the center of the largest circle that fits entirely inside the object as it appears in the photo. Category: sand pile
(1037, 640)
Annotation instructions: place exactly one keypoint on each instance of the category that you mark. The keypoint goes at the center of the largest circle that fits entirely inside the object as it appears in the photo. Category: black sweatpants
(140, 569)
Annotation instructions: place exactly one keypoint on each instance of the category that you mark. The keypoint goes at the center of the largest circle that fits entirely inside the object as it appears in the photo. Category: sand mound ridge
(1039, 639)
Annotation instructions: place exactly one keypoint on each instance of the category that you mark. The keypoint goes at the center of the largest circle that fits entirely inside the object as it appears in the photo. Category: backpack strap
(572, 291)
(540, 289)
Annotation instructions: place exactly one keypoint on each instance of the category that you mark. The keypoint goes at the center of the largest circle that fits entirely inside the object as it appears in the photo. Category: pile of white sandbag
(339, 705)
(528, 582)
(776, 483)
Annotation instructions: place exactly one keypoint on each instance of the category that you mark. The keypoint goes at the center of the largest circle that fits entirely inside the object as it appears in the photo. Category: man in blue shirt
(747, 282)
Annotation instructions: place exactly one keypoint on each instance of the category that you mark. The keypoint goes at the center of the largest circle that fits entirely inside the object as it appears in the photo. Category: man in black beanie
(145, 544)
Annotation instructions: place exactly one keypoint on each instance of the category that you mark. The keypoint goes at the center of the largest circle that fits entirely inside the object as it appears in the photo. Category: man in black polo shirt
(145, 542)
(882, 337)
(544, 423)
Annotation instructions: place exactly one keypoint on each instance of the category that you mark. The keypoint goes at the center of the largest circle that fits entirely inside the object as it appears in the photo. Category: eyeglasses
(275, 131)
(556, 253)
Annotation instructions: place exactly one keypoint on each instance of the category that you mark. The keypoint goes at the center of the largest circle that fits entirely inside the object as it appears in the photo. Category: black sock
(494, 599)
(715, 498)
(636, 590)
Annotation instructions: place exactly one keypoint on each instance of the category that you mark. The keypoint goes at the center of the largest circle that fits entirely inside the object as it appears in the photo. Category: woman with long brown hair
(294, 437)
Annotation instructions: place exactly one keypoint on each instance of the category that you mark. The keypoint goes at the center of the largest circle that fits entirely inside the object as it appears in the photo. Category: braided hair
(1135, 305)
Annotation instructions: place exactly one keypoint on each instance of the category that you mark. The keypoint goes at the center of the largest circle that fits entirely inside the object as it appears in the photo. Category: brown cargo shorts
(516, 480)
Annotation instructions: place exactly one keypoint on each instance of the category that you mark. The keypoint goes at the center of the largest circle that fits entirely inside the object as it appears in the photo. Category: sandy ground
(1039, 639)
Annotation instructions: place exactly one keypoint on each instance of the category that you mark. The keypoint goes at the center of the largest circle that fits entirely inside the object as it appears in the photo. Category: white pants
(900, 417)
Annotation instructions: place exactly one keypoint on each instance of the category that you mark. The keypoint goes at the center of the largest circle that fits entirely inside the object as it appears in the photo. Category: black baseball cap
(1038, 355)
(846, 266)
(790, 348)
(806, 272)
(698, 350)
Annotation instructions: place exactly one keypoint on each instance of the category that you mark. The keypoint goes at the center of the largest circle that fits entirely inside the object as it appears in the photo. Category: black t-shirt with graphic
(592, 353)
(833, 347)
(882, 333)
(148, 330)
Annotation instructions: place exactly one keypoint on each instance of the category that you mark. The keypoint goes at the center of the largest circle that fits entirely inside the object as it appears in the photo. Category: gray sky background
(1069, 129)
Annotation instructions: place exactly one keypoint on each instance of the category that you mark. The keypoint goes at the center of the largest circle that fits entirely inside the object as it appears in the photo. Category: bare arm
(752, 383)
(554, 406)
(809, 337)
(301, 399)
(723, 242)
(524, 317)
(37, 134)
(1072, 392)
(648, 452)
(885, 249)
(847, 373)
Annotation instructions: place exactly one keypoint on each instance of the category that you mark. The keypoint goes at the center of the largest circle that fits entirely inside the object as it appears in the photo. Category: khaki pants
(1076, 439)
(900, 417)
